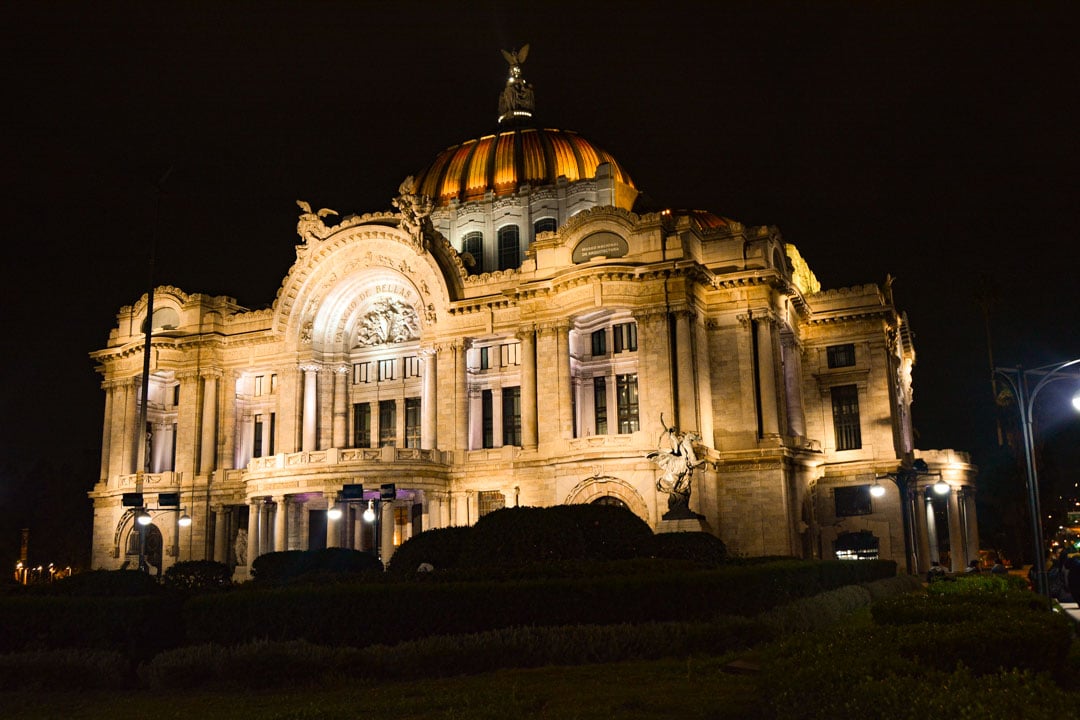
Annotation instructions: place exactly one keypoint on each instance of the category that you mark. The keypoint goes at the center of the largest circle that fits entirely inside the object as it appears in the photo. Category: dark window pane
(845, 406)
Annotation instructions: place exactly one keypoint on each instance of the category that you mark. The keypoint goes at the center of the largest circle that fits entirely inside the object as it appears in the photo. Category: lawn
(693, 688)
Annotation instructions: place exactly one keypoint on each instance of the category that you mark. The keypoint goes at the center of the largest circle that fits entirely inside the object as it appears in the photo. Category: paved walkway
(1073, 609)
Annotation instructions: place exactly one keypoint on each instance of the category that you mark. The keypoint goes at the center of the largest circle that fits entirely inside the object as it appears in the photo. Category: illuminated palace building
(518, 330)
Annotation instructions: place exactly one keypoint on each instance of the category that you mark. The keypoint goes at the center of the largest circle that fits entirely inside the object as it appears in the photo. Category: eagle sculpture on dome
(516, 57)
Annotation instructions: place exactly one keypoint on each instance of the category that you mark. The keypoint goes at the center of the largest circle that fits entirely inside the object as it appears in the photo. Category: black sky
(935, 142)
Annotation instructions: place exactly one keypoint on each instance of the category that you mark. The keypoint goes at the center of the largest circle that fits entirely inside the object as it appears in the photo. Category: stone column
(310, 411)
(429, 400)
(341, 403)
(160, 445)
(324, 422)
(461, 396)
(704, 384)
(931, 528)
(476, 420)
(221, 526)
(444, 510)
(208, 441)
(792, 361)
(227, 436)
(281, 524)
(958, 551)
(133, 436)
(529, 437)
(386, 531)
(922, 532)
(767, 376)
(333, 527)
(497, 417)
(106, 429)
(254, 530)
(117, 427)
(685, 380)
(562, 381)
(971, 525)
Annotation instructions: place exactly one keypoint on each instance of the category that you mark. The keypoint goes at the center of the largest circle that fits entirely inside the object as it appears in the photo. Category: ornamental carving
(415, 213)
(311, 226)
(389, 321)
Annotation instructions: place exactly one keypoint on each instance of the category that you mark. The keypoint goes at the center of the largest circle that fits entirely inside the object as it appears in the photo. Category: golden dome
(502, 163)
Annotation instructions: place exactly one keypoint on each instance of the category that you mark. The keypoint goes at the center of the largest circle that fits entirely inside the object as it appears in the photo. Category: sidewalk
(1073, 610)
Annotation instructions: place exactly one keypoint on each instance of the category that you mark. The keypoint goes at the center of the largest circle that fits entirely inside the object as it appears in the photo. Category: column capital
(309, 366)
(342, 369)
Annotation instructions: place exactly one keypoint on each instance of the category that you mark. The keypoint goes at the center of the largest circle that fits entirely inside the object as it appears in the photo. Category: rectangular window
(485, 358)
(172, 455)
(854, 500)
(412, 366)
(362, 425)
(599, 342)
(388, 423)
(412, 422)
(600, 404)
(487, 420)
(625, 337)
(256, 450)
(510, 354)
(627, 399)
(845, 410)
(176, 395)
(490, 501)
(271, 432)
(258, 385)
(386, 369)
(840, 355)
(511, 400)
(273, 383)
(361, 373)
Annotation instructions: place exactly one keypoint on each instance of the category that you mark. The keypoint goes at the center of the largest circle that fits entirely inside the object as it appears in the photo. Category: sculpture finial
(516, 103)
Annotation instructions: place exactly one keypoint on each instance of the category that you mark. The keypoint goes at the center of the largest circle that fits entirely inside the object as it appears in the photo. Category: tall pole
(1025, 402)
(143, 433)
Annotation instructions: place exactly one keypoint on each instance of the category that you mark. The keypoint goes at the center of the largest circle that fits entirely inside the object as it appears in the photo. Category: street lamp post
(1019, 381)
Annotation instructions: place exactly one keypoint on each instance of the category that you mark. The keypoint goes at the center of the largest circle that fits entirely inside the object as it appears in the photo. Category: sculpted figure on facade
(678, 461)
(389, 321)
(311, 226)
(415, 211)
(240, 548)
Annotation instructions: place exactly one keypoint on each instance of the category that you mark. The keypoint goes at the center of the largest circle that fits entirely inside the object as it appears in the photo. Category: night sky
(935, 142)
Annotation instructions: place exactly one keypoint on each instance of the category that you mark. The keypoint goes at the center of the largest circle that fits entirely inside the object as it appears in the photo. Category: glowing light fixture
(877, 490)
(369, 514)
(334, 513)
(185, 520)
(941, 487)
(1076, 402)
(143, 518)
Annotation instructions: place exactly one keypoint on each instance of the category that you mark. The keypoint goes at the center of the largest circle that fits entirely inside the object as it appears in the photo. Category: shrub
(315, 566)
(519, 535)
(198, 576)
(70, 669)
(439, 547)
(699, 547)
(103, 583)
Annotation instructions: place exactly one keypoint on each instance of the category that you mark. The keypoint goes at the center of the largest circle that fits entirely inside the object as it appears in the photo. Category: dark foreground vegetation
(689, 634)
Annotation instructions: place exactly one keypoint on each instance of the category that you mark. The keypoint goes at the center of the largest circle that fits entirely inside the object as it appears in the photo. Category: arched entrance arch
(606, 489)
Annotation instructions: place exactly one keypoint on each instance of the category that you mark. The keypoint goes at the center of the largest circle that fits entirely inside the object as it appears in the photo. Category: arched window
(610, 500)
(543, 225)
(473, 243)
(509, 248)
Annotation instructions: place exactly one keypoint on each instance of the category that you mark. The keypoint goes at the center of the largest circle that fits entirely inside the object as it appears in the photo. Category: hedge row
(361, 615)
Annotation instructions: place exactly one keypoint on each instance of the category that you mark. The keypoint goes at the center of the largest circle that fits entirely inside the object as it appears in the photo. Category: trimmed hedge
(70, 669)
(442, 548)
(315, 566)
(513, 536)
(198, 576)
(361, 615)
(102, 583)
(699, 547)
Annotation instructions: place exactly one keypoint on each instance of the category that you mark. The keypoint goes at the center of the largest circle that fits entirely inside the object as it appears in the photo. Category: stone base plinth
(697, 524)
